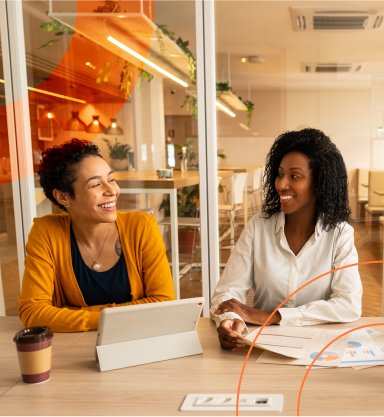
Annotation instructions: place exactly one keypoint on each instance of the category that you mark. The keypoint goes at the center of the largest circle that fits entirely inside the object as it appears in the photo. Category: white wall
(345, 116)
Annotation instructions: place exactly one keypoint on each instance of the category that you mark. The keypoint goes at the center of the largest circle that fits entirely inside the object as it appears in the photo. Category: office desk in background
(147, 182)
(76, 386)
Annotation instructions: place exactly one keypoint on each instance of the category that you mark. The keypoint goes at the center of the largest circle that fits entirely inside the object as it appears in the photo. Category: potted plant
(118, 153)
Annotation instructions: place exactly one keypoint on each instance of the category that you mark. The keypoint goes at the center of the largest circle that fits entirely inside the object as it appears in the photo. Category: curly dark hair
(328, 171)
(56, 168)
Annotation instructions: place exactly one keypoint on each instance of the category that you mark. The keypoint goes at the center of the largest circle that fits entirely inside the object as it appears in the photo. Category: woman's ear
(61, 197)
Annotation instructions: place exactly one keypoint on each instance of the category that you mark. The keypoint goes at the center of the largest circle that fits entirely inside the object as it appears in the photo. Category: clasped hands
(230, 330)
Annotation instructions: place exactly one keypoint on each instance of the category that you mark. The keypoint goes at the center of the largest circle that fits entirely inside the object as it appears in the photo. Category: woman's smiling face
(95, 191)
(294, 183)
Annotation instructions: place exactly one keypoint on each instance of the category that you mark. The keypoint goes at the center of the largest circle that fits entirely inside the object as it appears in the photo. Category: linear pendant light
(146, 61)
(50, 93)
(225, 109)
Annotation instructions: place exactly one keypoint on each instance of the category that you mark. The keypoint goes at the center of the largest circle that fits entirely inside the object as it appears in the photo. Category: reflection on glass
(75, 124)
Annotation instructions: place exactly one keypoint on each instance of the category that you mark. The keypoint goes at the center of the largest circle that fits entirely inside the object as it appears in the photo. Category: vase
(119, 164)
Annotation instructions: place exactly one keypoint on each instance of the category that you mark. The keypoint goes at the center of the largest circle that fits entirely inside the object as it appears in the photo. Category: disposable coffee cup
(165, 173)
(34, 350)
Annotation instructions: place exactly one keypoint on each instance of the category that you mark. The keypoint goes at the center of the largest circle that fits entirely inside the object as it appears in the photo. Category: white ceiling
(264, 28)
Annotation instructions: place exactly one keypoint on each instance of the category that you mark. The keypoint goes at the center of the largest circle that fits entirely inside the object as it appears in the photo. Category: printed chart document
(300, 345)
(362, 350)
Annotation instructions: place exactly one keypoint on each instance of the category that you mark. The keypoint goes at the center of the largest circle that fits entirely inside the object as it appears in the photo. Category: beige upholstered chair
(235, 202)
(375, 206)
(255, 190)
(362, 190)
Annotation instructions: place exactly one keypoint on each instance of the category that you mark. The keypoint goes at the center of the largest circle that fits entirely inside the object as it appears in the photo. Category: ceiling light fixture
(75, 124)
(95, 126)
(50, 93)
(114, 128)
(146, 61)
(244, 126)
(225, 109)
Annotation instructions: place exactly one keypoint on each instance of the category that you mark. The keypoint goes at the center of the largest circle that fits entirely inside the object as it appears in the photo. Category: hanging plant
(58, 29)
(250, 108)
(190, 104)
(183, 45)
(221, 87)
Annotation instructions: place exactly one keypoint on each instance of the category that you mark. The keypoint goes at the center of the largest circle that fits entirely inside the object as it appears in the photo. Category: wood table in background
(147, 182)
(76, 386)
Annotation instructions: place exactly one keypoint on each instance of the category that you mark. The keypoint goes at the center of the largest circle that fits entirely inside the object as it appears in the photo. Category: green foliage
(187, 202)
(190, 104)
(250, 107)
(118, 150)
(220, 87)
(183, 45)
(58, 29)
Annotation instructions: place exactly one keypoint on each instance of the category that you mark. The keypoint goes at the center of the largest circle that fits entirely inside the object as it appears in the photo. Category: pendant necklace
(96, 266)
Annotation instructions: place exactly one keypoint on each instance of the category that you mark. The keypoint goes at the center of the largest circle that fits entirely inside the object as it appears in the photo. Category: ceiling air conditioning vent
(307, 18)
(330, 67)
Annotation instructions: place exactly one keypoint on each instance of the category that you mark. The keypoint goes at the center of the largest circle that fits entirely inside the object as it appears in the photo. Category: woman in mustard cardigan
(91, 256)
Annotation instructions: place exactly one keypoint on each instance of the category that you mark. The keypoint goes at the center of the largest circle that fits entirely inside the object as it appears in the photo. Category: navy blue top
(106, 287)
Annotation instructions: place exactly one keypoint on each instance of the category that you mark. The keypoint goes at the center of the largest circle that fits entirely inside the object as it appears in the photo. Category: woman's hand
(229, 331)
(248, 314)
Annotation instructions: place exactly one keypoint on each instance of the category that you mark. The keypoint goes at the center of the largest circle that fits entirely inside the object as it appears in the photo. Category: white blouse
(262, 260)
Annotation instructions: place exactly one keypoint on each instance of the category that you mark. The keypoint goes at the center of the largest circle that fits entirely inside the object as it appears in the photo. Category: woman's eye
(112, 180)
(95, 185)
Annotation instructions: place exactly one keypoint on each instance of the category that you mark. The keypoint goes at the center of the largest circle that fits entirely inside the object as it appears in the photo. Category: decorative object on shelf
(114, 128)
(187, 197)
(184, 159)
(109, 6)
(118, 153)
(95, 126)
(75, 123)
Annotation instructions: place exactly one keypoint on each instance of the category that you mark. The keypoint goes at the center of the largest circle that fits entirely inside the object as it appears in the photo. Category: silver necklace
(96, 266)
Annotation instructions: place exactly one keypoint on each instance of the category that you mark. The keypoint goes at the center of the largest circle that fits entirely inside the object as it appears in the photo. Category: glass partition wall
(116, 73)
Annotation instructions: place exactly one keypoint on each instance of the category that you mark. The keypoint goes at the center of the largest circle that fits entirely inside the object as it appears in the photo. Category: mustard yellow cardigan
(50, 294)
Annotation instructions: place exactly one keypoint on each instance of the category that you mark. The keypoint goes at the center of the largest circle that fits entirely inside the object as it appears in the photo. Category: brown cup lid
(33, 334)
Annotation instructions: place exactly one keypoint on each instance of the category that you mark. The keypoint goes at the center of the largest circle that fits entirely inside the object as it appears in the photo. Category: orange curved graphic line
(280, 305)
(321, 351)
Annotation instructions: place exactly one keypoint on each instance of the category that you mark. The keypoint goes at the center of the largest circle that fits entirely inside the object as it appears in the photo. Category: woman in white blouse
(302, 232)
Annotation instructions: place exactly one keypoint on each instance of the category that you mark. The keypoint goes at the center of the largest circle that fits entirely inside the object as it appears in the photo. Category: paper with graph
(300, 345)
(293, 342)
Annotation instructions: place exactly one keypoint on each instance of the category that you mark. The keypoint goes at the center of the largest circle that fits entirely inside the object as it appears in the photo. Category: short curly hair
(328, 171)
(56, 170)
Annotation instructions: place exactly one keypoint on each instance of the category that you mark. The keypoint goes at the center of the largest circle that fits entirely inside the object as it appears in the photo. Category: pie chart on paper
(353, 345)
(325, 356)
